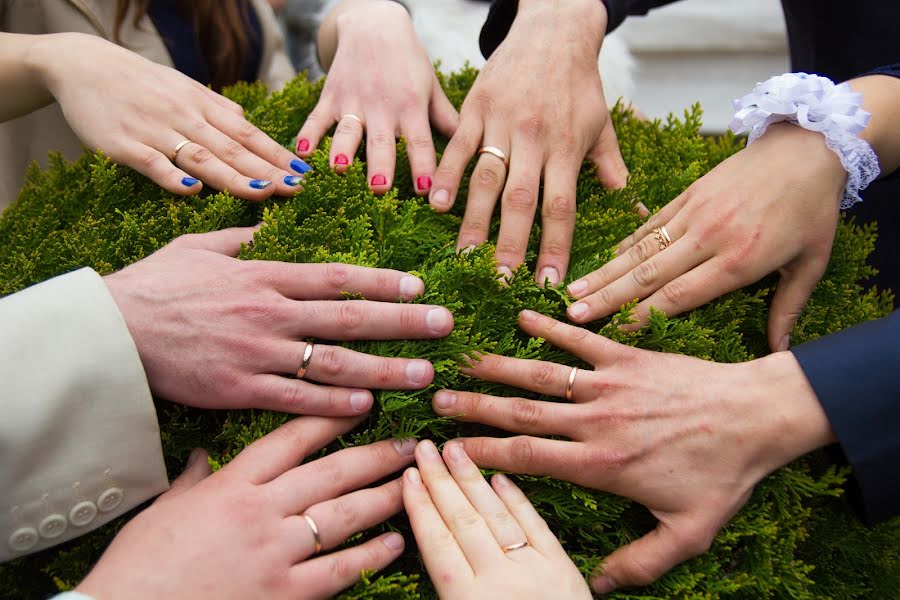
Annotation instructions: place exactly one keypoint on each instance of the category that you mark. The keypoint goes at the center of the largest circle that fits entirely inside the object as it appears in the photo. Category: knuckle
(675, 292)
(522, 199)
(199, 125)
(381, 139)
(577, 335)
(294, 398)
(697, 542)
(560, 208)
(531, 128)
(638, 573)
(246, 131)
(605, 298)
(465, 520)
(522, 451)
(258, 310)
(337, 275)
(489, 177)
(565, 145)
(328, 362)
(383, 372)
(645, 274)
(149, 158)
(524, 413)
(419, 143)
(642, 250)
(347, 127)
(233, 150)
(511, 247)
(341, 569)
(346, 513)
(200, 155)
(351, 315)
(542, 374)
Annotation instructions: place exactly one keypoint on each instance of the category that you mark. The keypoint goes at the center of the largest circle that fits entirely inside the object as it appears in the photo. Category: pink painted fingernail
(378, 180)
(577, 287)
(303, 145)
(423, 183)
(341, 160)
(444, 400)
(579, 310)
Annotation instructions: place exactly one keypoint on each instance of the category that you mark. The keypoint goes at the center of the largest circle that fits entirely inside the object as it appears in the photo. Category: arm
(80, 441)
(19, 71)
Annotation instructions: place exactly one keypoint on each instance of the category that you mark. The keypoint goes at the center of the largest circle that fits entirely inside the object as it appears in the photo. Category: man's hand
(539, 100)
(216, 332)
(686, 438)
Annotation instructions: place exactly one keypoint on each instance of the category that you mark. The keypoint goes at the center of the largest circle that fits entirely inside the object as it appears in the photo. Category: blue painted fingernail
(300, 166)
(293, 180)
(189, 182)
(260, 184)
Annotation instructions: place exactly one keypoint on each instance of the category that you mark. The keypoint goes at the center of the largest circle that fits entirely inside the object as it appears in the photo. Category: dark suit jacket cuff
(856, 376)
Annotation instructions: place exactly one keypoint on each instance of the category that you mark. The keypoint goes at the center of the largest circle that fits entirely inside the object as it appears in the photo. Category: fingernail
(441, 198)
(189, 182)
(342, 160)
(260, 184)
(454, 451)
(549, 274)
(505, 274)
(528, 316)
(466, 249)
(413, 477)
(423, 183)
(444, 400)
(416, 371)
(642, 210)
(784, 344)
(379, 180)
(193, 457)
(410, 287)
(578, 310)
(502, 480)
(429, 450)
(293, 180)
(405, 447)
(302, 145)
(300, 166)
(604, 584)
(360, 401)
(437, 319)
(577, 287)
(394, 541)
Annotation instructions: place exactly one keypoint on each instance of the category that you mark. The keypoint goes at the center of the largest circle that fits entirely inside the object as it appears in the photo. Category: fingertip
(603, 584)
(411, 287)
(394, 542)
(578, 312)
(440, 200)
(439, 321)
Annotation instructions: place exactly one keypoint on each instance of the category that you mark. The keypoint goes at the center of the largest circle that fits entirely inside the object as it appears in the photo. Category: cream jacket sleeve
(79, 437)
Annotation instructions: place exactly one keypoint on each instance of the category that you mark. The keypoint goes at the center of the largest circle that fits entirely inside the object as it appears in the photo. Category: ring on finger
(662, 236)
(315, 531)
(353, 117)
(570, 384)
(512, 547)
(178, 148)
(495, 151)
(304, 364)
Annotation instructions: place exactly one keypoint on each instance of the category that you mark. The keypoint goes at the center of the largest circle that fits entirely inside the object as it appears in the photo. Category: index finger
(590, 347)
(333, 281)
(257, 142)
(569, 461)
(453, 163)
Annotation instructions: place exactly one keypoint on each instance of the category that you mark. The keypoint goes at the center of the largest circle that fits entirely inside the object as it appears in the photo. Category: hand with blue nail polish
(216, 332)
(152, 118)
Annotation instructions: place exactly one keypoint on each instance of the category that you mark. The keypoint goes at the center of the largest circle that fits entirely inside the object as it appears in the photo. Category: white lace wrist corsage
(817, 104)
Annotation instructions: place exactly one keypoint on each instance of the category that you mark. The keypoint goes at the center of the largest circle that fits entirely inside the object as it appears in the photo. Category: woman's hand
(243, 531)
(138, 112)
(686, 438)
(772, 206)
(215, 332)
(480, 540)
(539, 101)
(380, 82)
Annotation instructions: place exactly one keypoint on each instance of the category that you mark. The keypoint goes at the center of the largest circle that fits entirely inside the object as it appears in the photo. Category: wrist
(790, 420)
(588, 18)
(362, 17)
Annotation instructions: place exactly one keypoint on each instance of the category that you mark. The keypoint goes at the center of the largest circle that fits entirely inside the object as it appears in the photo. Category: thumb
(794, 288)
(648, 558)
(606, 155)
(196, 470)
(225, 241)
(444, 117)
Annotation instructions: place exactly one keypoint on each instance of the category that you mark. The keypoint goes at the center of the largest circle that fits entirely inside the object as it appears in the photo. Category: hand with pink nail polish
(216, 332)
(381, 83)
(262, 527)
(481, 540)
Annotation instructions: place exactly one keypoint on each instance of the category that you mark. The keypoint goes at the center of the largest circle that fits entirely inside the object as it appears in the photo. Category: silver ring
(315, 532)
(495, 151)
(307, 357)
(178, 148)
(512, 547)
(354, 117)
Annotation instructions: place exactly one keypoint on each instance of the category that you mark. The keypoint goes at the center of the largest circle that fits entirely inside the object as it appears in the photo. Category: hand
(382, 76)
(539, 100)
(763, 209)
(241, 533)
(215, 332)
(686, 438)
(137, 112)
(468, 531)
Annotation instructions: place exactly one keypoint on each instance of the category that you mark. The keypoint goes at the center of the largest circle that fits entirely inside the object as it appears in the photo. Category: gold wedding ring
(315, 532)
(494, 151)
(354, 117)
(570, 384)
(662, 236)
(178, 148)
(304, 364)
(512, 547)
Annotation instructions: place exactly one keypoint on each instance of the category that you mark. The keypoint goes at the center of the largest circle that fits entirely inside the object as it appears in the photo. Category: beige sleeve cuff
(79, 437)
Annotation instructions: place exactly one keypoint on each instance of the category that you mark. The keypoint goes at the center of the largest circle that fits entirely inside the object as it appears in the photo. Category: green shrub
(796, 538)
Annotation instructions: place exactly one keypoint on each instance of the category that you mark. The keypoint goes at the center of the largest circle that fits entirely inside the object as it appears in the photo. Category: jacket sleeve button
(53, 526)
(82, 513)
(110, 499)
(23, 539)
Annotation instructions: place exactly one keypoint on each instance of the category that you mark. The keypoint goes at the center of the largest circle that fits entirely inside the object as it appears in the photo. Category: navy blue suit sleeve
(892, 70)
(856, 376)
(503, 13)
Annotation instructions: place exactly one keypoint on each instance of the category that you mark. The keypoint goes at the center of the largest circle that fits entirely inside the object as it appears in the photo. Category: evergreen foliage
(796, 538)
